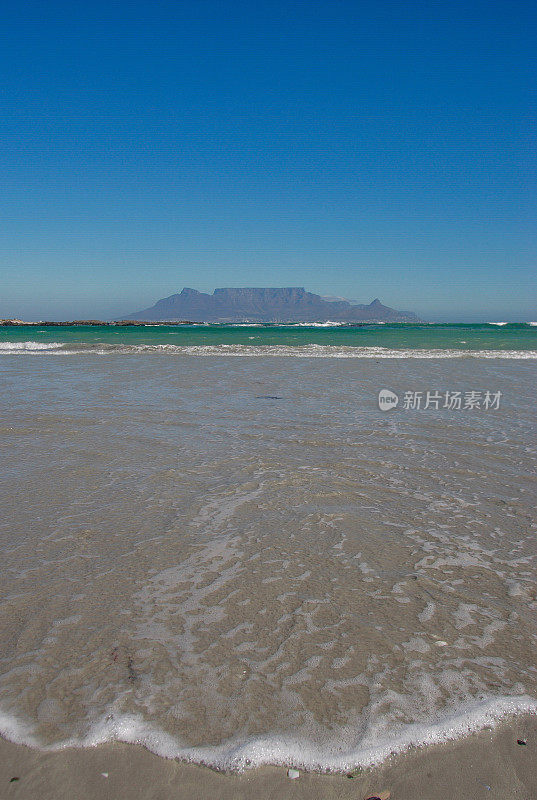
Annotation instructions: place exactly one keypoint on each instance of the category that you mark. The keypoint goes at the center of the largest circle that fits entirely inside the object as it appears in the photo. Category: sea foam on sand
(237, 755)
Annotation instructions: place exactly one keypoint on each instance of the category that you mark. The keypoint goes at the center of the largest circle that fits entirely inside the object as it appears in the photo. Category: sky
(356, 151)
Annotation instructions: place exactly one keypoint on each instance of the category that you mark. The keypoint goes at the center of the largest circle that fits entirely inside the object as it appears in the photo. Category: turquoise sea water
(373, 340)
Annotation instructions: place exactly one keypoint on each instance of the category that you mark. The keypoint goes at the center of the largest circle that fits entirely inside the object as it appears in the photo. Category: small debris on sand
(293, 774)
(354, 772)
(521, 741)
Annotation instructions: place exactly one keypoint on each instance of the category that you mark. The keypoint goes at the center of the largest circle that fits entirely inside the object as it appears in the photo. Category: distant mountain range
(266, 305)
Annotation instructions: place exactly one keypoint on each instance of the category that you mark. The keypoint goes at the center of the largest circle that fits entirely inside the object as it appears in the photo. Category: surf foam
(237, 755)
(25, 347)
(296, 351)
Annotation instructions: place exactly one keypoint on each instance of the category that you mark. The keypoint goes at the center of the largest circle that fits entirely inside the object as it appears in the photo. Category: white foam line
(22, 347)
(238, 755)
(239, 350)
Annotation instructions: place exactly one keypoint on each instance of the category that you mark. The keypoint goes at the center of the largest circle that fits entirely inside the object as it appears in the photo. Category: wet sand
(243, 562)
(489, 764)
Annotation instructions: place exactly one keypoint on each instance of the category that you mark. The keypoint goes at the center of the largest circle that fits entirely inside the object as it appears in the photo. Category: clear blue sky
(356, 152)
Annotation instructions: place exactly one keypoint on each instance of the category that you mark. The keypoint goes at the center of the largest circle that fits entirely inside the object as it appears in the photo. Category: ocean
(493, 340)
(239, 561)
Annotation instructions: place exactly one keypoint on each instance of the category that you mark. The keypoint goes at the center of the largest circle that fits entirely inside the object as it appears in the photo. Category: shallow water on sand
(244, 560)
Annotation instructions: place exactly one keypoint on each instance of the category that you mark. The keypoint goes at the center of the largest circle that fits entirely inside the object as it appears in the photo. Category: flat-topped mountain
(292, 304)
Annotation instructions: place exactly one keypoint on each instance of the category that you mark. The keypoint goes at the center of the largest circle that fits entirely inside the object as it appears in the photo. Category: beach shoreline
(225, 550)
(489, 764)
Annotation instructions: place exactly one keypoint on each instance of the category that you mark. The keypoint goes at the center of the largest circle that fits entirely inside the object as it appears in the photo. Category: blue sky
(355, 153)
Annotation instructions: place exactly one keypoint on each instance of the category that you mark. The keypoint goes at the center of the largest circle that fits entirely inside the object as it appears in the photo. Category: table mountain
(292, 304)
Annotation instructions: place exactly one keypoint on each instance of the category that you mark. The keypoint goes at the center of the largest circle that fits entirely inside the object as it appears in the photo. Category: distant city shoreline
(124, 323)
(95, 322)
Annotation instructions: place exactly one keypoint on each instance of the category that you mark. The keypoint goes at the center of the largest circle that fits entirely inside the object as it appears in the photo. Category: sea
(239, 561)
(388, 340)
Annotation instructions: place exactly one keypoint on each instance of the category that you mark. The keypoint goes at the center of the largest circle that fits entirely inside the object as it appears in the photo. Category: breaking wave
(29, 347)
(297, 351)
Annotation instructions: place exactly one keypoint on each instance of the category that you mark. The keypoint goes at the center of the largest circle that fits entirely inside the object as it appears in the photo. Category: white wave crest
(28, 347)
(295, 351)
(328, 324)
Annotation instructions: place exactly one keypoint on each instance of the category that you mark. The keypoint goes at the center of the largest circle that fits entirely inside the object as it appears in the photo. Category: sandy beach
(244, 562)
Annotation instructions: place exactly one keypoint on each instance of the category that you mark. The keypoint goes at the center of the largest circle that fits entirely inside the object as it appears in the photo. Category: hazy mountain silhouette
(266, 305)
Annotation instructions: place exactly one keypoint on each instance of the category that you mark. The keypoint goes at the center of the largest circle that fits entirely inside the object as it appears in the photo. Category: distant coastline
(93, 323)
(127, 323)
(146, 323)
